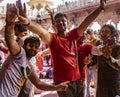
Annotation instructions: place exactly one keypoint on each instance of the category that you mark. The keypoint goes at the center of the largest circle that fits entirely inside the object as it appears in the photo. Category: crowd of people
(78, 57)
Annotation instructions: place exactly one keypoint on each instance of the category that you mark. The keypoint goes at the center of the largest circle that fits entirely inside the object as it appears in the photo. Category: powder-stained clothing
(13, 74)
(3, 51)
(28, 88)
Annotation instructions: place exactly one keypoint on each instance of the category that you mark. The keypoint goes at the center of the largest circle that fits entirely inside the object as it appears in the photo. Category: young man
(63, 46)
(17, 68)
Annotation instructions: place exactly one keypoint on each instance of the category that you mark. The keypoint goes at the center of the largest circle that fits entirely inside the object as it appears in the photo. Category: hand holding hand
(62, 86)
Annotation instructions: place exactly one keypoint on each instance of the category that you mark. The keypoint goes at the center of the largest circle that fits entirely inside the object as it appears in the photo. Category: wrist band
(27, 23)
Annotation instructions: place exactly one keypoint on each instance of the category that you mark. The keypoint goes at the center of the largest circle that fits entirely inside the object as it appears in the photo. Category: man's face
(31, 49)
(61, 24)
(88, 36)
(105, 33)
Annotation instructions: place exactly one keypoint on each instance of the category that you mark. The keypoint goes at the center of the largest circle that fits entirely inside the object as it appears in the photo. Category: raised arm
(11, 15)
(36, 28)
(90, 18)
(32, 26)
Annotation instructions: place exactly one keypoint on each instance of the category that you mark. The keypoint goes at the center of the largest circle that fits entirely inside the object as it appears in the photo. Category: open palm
(11, 13)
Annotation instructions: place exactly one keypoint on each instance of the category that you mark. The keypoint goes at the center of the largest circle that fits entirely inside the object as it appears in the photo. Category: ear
(23, 46)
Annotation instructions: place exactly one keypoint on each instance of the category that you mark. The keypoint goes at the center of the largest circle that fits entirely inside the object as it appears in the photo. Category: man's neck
(63, 33)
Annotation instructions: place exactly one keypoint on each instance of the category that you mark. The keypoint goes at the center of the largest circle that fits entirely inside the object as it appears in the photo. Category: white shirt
(11, 78)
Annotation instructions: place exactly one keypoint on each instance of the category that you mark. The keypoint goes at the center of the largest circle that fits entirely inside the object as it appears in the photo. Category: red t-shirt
(85, 50)
(63, 50)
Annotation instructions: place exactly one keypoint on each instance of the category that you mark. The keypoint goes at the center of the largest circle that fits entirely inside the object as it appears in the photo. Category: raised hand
(50, 12)
(22, 9)
(22, 13)
(103, 3)
(11, 13)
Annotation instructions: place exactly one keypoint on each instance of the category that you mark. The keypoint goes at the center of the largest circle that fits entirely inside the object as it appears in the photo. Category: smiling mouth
(32, 52)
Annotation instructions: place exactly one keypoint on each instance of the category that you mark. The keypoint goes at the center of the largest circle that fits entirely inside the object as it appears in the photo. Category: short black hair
(58, 15)
(20, 27)
(88, 31)
(32, 39)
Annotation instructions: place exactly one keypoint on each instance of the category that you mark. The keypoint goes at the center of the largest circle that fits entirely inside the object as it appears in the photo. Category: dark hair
(58, 15)
(20, 27)
(112, 29)
(89, 31)
(32, 39)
